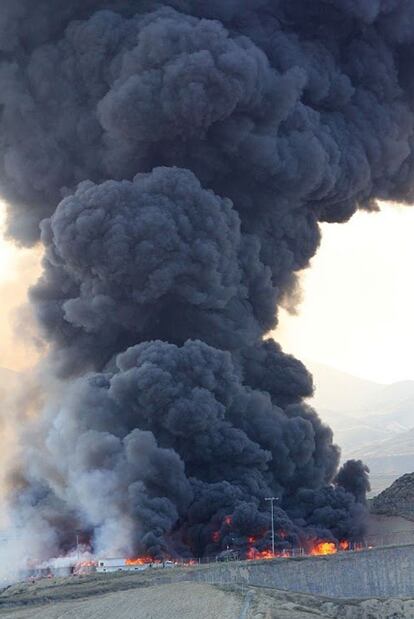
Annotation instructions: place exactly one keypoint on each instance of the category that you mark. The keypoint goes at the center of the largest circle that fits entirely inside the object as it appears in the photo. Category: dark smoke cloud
(353, 477)
(258, 103)
(176, 158)
(207, 447)
(130, 261)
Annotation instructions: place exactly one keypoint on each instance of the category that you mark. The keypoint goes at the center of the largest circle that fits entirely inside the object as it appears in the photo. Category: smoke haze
(176, 159)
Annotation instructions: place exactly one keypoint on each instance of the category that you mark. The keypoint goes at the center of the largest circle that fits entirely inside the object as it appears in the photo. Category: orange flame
(323, 548)
(140, 561)
(84, 567)
(253, 554)
(313, 548)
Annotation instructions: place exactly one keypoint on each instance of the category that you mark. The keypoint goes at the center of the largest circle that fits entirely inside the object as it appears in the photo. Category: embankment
(378, 572)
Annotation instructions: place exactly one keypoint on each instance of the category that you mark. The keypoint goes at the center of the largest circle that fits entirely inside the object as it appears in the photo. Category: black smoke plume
(176, 159)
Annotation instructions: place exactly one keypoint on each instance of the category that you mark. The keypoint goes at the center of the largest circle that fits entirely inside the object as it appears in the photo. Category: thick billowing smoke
(176, 158)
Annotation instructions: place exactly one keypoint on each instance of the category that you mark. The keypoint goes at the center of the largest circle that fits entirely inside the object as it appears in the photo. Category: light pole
(272, 499)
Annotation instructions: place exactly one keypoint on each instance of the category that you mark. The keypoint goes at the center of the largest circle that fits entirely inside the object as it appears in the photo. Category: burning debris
(77, 566)
(175, 158)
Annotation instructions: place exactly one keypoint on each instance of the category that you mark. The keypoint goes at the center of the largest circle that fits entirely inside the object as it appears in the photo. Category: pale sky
(358, 299)
(18, 269)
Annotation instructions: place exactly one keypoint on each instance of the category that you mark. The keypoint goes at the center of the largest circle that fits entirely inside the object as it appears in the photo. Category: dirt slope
(398, 499)
(174, 601)
(183, 600)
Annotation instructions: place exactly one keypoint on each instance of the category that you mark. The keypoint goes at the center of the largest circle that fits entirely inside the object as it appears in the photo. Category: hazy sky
(18, 269)
(357, 309)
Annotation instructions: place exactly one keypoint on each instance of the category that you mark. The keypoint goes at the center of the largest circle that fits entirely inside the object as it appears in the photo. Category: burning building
(175, 159)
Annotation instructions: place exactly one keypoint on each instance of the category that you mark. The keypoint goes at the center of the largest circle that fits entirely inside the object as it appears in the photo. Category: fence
(391, 538)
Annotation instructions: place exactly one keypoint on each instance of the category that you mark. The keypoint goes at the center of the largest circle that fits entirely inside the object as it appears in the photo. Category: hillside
(398, 499)
(392, 457)
(363, 412)
(341, 394)
(339, 391)
(372, 422)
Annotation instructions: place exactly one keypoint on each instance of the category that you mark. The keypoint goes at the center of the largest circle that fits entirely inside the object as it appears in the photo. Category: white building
(123, 565)
(119, 565)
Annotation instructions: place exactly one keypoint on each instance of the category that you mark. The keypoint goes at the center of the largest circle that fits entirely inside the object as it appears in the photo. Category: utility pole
(77, 546)
(272, 499)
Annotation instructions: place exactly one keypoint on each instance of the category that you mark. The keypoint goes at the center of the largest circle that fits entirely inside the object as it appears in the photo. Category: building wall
(117, 565)
(117, 562)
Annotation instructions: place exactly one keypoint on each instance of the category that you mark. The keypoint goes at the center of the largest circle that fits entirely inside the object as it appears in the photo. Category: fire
(253, 554)
(285, 554)
(310, 547)
(84, 567)
(328, 548)
(140, 561)
(90, 563)
(323, 548)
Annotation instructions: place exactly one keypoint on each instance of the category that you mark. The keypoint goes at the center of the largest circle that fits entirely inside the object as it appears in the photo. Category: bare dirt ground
(145, 596)
(173, 601)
